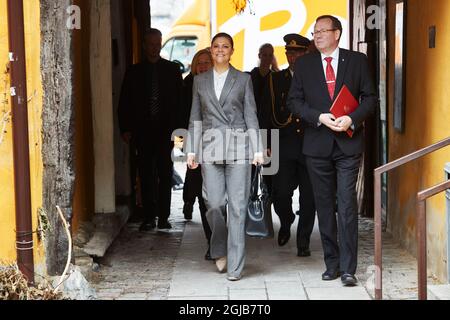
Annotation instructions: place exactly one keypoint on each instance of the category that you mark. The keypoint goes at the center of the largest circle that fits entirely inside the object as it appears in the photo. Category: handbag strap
(263, 186)
(255, 183)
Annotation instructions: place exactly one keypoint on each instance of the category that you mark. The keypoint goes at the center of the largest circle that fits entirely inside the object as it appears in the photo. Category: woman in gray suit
(224, 137)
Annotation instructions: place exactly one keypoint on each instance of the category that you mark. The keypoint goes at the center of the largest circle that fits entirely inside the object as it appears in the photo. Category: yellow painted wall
(7, 214)
(427, 121)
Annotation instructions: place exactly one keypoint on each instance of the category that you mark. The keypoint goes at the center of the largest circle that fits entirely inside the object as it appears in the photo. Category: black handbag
(259, 214)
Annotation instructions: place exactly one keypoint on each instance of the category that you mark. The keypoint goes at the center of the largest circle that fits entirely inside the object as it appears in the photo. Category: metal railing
(377, 206)
(422, 197)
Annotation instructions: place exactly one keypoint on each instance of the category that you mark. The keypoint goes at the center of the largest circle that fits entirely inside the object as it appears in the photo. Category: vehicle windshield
(180, 50)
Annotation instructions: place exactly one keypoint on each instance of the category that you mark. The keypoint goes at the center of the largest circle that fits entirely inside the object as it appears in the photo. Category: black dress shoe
(303, 252)
(348, 280)
(148, 225)
(164, 225)
(187, 210)
(330, 275)
(283, 235)
(208, 256)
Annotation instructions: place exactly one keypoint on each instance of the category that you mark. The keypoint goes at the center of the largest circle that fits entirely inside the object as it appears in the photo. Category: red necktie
(331, 77)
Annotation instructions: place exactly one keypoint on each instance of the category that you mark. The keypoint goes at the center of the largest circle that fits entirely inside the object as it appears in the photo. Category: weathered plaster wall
(427, 122)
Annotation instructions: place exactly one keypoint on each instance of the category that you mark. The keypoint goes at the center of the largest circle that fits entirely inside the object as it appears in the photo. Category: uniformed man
(292, 171)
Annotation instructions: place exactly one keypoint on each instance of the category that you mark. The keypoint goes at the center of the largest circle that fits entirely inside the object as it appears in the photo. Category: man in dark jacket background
(149, 111)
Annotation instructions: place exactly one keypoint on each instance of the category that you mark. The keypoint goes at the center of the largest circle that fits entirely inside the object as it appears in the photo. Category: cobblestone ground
(399, 267)
(139, 265)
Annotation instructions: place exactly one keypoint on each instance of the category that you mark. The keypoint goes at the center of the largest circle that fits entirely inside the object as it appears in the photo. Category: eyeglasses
(319, 32)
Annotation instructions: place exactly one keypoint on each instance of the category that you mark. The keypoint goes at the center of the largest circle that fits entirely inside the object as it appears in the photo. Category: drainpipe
(24, 234)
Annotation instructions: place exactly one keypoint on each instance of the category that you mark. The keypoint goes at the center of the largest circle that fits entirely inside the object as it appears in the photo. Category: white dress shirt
(334, 62)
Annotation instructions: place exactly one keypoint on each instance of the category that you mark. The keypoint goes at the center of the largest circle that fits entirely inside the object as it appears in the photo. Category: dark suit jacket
(134, 102)
(309, 97)
(259, 85)
(188, 83)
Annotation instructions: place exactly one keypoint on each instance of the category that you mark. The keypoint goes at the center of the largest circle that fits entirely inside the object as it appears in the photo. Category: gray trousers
(227, 184)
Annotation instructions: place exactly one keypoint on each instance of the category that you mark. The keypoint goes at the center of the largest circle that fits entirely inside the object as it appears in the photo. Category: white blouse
(219, 82)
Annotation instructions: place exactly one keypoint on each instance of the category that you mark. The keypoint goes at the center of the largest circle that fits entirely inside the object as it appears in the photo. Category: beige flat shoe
(221, 264)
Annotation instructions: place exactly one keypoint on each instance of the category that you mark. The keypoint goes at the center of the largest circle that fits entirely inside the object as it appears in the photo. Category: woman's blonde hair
(195, 59)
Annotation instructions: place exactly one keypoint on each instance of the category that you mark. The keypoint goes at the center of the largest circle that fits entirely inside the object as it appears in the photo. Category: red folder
(344, 104)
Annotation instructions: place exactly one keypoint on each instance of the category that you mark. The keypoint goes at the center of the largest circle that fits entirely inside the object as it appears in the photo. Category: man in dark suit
(332, 157)
(149, 111)
(292, 173)
(260, 76)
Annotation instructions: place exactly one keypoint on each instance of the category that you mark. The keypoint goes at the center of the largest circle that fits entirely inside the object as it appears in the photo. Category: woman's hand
(192, 164)
(258, 159)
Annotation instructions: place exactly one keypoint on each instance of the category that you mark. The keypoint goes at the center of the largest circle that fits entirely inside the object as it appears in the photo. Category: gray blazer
(226, 129)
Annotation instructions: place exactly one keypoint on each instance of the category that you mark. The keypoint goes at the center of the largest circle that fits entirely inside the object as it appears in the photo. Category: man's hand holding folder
(343, 105)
